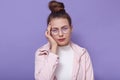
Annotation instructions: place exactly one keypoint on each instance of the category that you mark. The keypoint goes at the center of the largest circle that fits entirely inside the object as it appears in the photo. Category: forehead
(59, 22)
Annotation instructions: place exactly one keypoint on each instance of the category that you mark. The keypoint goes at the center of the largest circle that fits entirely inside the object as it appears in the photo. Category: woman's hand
(53, 43)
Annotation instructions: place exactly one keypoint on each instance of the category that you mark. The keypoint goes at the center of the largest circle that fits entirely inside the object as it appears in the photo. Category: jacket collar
(78, 52)
(77, 49)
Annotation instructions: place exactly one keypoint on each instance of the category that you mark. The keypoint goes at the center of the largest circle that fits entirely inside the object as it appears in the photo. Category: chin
(63, 44)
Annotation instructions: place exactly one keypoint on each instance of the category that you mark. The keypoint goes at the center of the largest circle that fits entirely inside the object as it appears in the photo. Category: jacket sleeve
(45, 65)
(88, 67)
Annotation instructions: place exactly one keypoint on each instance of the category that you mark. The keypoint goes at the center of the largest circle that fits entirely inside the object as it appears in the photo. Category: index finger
(49, 27)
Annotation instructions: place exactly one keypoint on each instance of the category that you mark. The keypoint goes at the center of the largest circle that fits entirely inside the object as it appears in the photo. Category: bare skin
(53, 43)
(61, 38)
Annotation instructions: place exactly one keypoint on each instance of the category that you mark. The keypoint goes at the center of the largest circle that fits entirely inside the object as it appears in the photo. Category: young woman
(60, 58)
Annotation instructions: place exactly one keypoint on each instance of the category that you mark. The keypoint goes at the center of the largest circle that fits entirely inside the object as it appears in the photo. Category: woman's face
(61, 31)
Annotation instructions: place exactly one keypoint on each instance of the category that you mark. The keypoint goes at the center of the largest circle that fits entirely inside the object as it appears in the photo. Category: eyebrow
(54, 28)
(61, 27)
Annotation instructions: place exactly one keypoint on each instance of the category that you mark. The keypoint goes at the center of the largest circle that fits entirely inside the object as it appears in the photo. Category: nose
(60, 33)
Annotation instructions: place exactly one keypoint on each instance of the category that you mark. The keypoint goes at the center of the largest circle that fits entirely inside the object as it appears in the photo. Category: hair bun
(55, 6)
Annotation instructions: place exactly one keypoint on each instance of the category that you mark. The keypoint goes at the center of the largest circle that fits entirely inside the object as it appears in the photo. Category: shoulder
(43, 49)
(79, 49)
(45, 46)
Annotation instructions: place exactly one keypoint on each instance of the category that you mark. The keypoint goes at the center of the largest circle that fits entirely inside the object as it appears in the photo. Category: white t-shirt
(65, 66)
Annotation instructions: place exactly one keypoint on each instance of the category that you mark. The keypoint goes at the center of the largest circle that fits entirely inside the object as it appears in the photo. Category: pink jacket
(46, 63)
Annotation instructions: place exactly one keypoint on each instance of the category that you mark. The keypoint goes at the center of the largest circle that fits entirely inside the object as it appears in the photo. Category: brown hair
(57, 11)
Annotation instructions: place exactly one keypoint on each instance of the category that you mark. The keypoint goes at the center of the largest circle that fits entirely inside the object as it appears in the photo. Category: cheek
(54, 37)
(68, 35)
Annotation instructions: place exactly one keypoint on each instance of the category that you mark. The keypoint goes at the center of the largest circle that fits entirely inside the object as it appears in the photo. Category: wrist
(54, 49)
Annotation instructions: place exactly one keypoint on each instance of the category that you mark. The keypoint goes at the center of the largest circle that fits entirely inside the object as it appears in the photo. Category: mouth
(61, 40)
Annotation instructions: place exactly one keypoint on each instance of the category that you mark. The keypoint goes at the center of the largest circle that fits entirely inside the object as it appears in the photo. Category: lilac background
(23, 22)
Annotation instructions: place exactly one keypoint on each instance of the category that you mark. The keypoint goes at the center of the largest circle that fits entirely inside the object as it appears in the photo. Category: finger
(46, 34)
(49, 27)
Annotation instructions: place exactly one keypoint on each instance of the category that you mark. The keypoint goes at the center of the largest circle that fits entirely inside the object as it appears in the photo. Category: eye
(64, 28)
(54, 30)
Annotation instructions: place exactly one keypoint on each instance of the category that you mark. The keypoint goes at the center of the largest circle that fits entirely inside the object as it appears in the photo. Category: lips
(61, 40)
